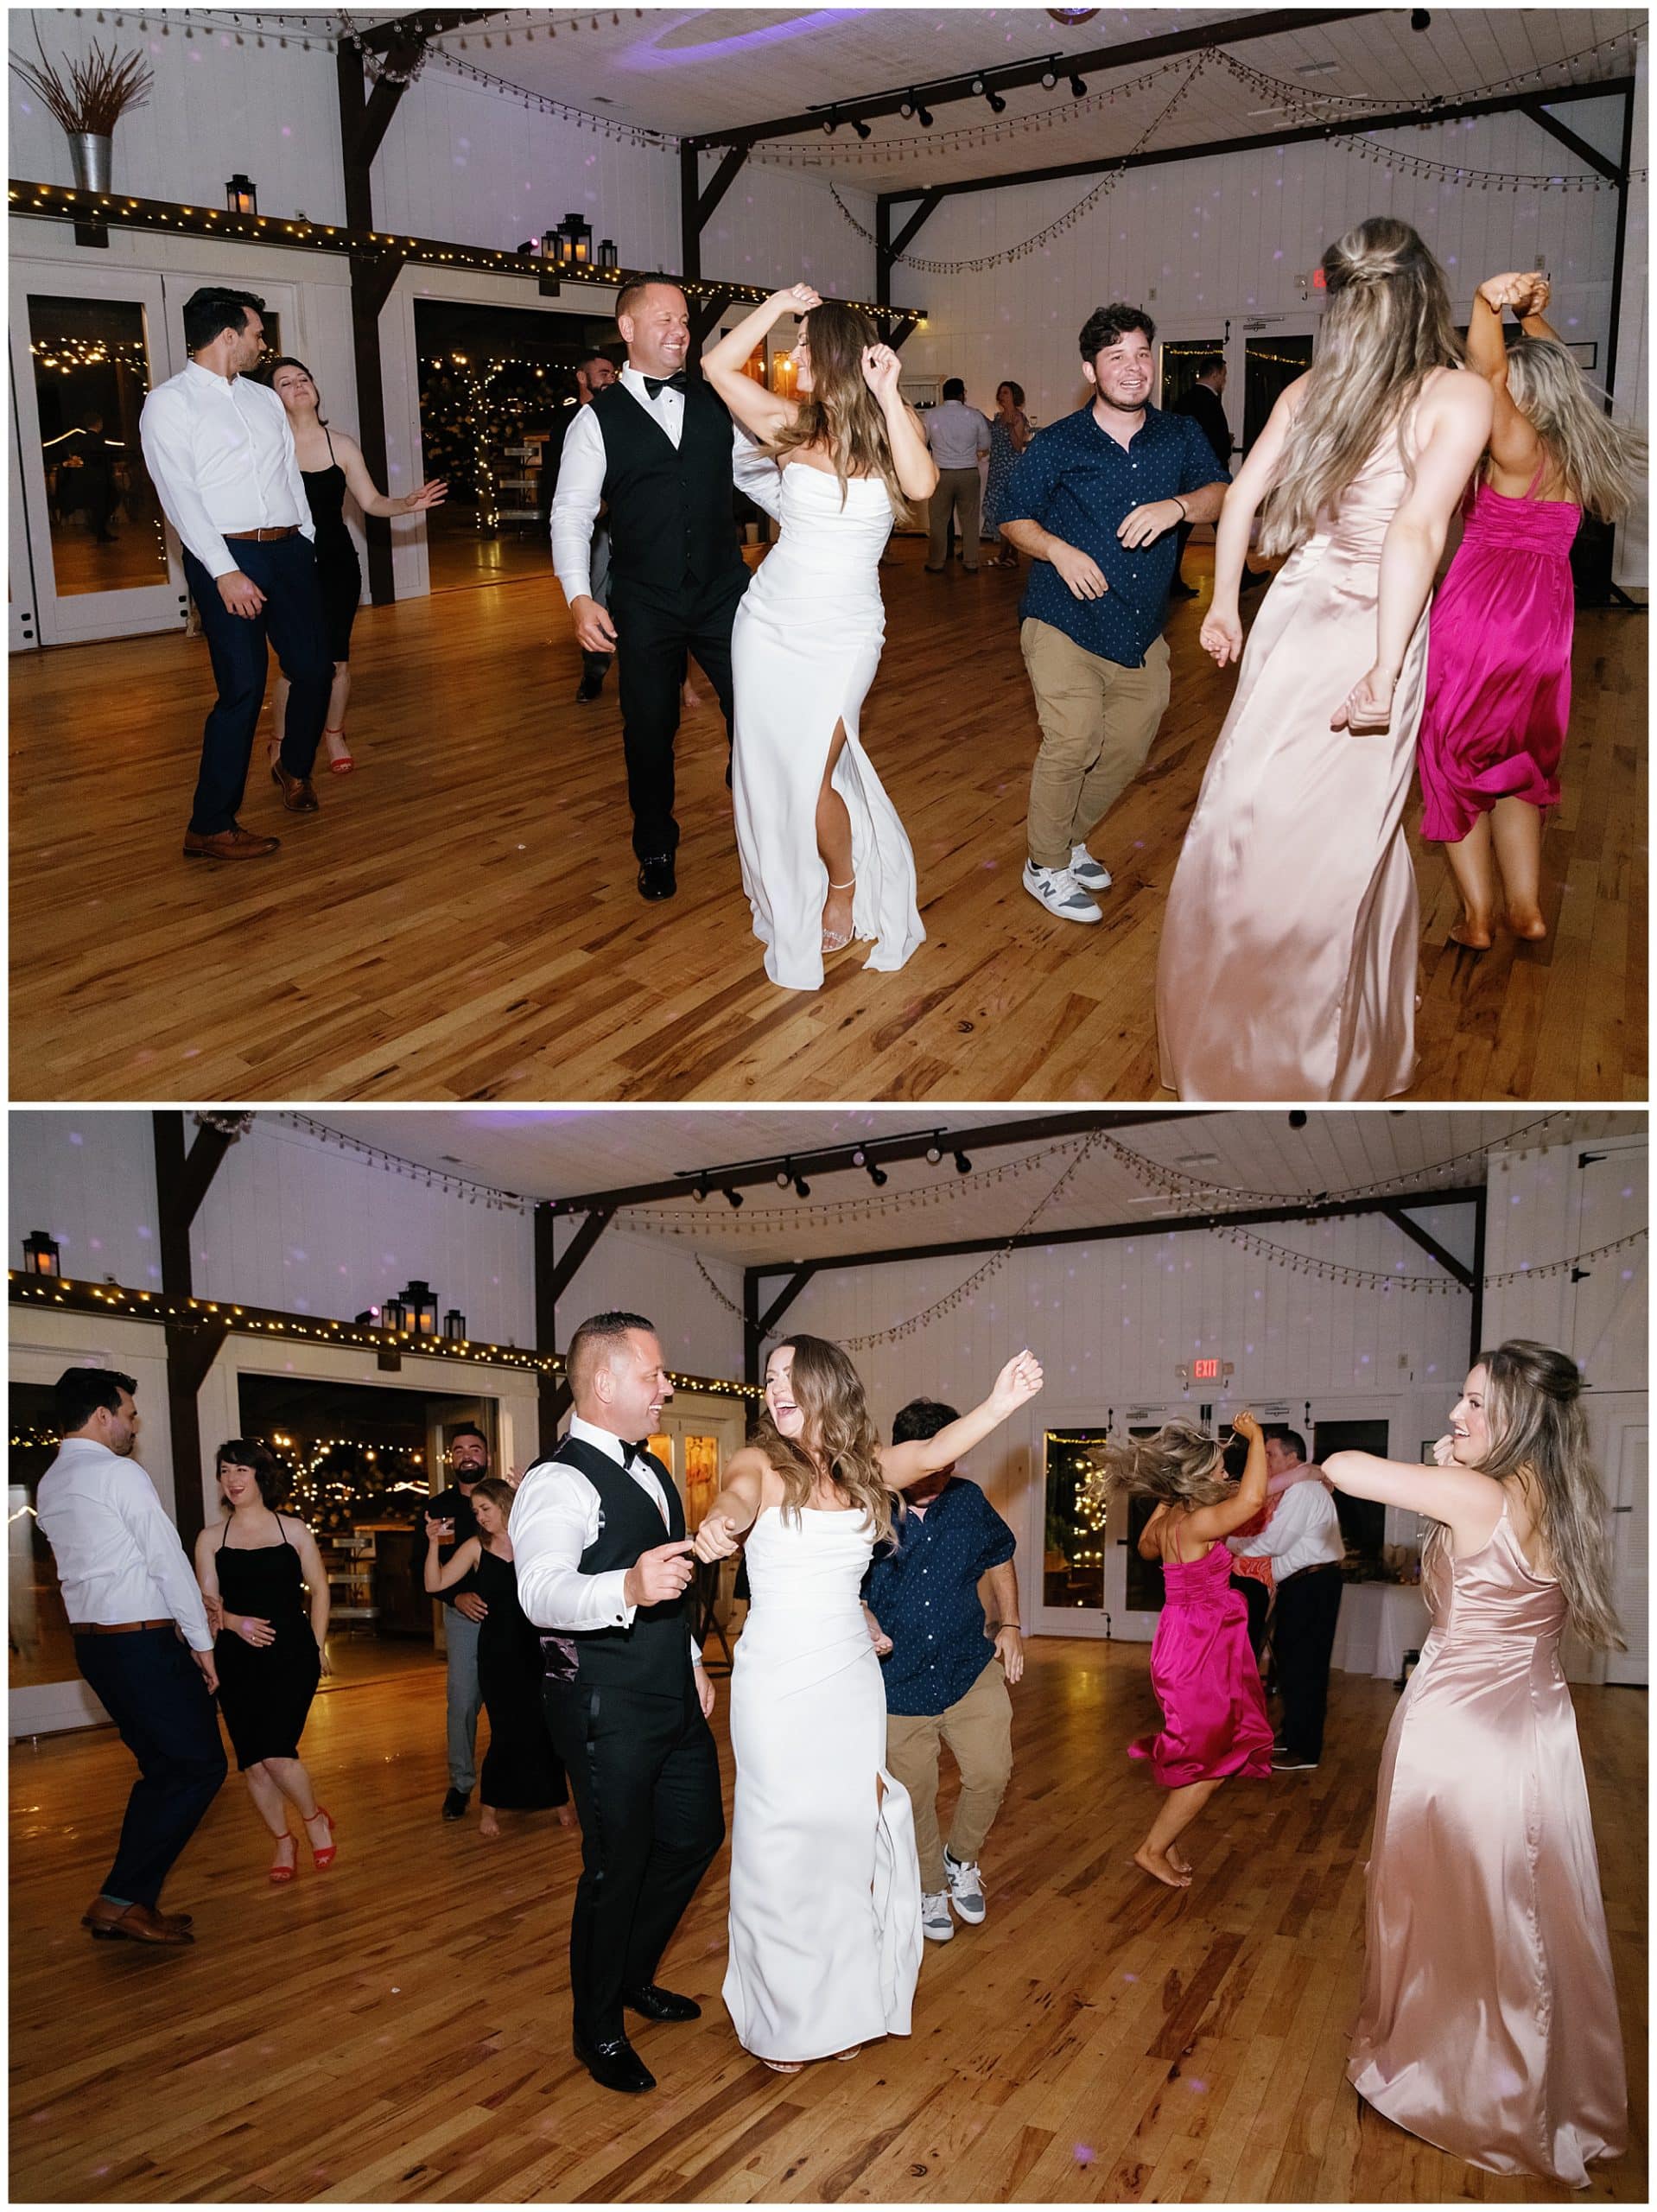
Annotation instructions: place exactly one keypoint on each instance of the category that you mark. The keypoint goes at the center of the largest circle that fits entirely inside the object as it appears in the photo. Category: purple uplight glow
(679, 44)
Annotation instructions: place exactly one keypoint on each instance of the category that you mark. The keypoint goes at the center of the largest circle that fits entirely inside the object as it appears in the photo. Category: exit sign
(1205, 1371)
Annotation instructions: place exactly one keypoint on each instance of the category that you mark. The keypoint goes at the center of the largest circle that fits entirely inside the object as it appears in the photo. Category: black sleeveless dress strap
(338, 570)
(266, 1693)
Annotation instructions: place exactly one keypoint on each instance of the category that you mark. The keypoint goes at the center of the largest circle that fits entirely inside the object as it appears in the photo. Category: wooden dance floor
(397, 2029)
(462, 921)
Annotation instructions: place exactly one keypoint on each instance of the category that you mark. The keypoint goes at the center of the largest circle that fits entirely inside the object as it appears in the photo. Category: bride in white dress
(824, 857)
(825, 1924)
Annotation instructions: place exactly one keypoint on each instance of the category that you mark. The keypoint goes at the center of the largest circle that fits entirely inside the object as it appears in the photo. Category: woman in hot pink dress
(1214, 1722)
(1488, 2023)
(1498, 697)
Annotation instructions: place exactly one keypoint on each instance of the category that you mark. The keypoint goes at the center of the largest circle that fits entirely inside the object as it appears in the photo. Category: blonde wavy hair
(1538, 1441)
(1601, 462)
(828, 1392)
(1387, 326)
(840, 413)
(1179, 1465)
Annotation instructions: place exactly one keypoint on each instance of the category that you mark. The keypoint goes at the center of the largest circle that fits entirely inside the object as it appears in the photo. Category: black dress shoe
(660, 2003)
(454, 1804)
(615, 2065)
(657, 878)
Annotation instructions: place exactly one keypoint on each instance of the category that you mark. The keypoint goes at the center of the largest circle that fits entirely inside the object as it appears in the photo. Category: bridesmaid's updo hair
(248, 1452)
(1179, 1465)
(1539, 1439)
(828, 1392)
(498, 1492)
(840, 414)
(1387, 327)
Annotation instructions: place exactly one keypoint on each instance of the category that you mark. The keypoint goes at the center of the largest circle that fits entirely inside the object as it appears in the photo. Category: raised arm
(439, 1577)
(1453, 429)
(1016, 1384)
(369, 496)
(911, 457)
(762, 412)
(1469, 1504)
(736, 1507)
(1221, 632)
(1214, 1521)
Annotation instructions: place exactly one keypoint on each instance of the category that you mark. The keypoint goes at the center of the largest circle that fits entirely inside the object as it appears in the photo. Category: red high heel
(279, 1873)
(343, 763)
(330, 1850)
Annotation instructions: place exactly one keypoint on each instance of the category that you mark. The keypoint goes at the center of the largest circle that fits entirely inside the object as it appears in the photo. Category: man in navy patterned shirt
(943, 1682)
(1095, 501)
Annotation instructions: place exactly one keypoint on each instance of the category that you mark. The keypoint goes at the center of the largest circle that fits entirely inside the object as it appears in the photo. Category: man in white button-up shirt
(142, 1644)
(602, 1560)
(1302, 1541)
(221, 456)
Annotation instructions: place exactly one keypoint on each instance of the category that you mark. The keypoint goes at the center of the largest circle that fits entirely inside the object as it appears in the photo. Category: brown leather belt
(1318, 1567)
(288, 530)
(114, 1628)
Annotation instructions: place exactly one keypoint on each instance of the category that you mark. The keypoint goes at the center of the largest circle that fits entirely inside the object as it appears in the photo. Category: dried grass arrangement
(92, 94)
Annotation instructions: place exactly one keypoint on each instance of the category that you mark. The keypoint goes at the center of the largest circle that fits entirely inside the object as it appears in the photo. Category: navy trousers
(152, 1691)
(293, 621)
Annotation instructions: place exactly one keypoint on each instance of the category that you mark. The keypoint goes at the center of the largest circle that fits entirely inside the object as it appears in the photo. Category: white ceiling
(695, 72)
(565, 1153)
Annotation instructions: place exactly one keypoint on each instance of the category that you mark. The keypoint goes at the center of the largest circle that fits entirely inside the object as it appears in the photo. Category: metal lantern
(241, 195)
(455, 1325)
(41, 1255)
(394, 1314)
(578, 241)
(552, 245)
(607, 254)
(421, 1302)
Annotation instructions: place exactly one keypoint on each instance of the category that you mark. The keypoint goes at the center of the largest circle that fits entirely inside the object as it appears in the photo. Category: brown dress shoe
(233, 844)
(101, 1912)
(297, 794)
(137, 1923)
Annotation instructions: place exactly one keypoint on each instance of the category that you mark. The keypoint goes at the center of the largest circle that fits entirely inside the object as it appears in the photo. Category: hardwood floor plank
(460, 922)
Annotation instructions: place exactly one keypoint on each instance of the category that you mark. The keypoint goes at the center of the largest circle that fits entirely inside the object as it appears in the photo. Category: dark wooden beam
(1476, 1319)
(1116, 1231)
(585, 1238)
(718, 185)
(829, 1159)
(1430, 1244)
(182, 1179)
(1536, 108)
(929, 203)
(705, 316)
(689, 199)
(371, 279)
(1619, 250)
(901, 331)
(882, 249)
(1235, 31)
(751, 1325)
(1405, 119)
(761, 1324)
(547, 1408)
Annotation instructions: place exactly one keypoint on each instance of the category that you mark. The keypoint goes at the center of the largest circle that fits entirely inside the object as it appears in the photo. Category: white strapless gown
(825, 1884)
(804, 651)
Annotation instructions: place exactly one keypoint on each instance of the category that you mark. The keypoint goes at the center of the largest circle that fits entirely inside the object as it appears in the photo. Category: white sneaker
(1060, 892)
(966, 1888)
(935, 1924)
(1091, 874)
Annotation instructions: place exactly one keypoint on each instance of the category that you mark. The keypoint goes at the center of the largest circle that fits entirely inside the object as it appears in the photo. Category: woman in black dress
(521, 1771)
(267, 1595)
(331, 462)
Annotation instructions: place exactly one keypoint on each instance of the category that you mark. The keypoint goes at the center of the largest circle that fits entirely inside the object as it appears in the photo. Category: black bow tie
(632, 1452)
(675, 382)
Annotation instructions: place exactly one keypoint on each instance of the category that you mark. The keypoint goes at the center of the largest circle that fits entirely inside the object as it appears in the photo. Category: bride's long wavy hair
(828, 1392)
(840, 413)
(1387, 326)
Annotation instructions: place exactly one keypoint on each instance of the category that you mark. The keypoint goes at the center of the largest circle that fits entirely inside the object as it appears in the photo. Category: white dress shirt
(580, 479)
(555, 1517)
(221, 456)
(957, 433)
(119, 1557)
(1304, 1530)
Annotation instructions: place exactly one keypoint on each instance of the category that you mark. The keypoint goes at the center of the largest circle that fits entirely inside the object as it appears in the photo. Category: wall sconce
(41, 1255)
(455, 1325)
(241, 195)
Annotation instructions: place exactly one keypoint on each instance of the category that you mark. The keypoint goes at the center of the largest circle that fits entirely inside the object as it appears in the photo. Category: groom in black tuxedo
(603, 1565)
(655, 448)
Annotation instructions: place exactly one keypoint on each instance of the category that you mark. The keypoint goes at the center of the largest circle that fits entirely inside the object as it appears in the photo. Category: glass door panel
(1272, 361)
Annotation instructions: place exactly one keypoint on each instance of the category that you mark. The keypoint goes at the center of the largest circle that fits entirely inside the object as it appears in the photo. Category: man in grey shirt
(959, 438)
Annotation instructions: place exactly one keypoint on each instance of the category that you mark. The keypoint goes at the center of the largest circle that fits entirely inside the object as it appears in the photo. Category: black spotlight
(785, 1175)
(925, 116)
(934, 1154)
(1419, 20)
(1049, 79)
(978, 86)
(998, 106)
(858, 1157)
(1078, 86)
(732, 1196)
(963, 1165)
(861, 128)
(700, 1188)
(830, 125)
(802, 1188)
(1299, 1120)
(878, 1176)
(906, 107)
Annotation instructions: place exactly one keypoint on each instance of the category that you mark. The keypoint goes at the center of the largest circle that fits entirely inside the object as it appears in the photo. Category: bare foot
(1178, 1859)
(690, 697)
(1527, 922)
(489, 1826)
(1158, 1863)
(1471, 932)
(567, 1816)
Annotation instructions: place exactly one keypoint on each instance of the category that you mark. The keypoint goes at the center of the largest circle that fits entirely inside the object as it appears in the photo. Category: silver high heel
(837, 940)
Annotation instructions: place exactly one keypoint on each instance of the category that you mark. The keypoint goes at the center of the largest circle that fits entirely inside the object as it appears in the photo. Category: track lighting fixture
(878, 1176)
(934, 1154)
(699, 1189)
(830, 125)
(906, 107)
(802, 1188)
(963, 1165)
(733, 1197)
(998, 106)
(1049, 79)
(860, 1158)
(1078, 86)
(1420, 19)
(1298, 1120)
(923, 115)
(861, 128)
(785, 1175)
(979, 86)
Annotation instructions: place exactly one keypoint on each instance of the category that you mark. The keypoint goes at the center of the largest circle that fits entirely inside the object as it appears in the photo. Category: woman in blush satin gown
(824, 857)
(1498, 663)
(1287, 968)
(1214, 1722)
(1489, 2023)
(825, 1882)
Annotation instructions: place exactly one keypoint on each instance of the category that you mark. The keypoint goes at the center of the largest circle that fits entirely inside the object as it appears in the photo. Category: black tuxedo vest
(671, 515)
(652, 1657)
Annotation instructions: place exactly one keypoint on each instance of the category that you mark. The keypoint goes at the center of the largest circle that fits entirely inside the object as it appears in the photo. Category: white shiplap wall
(1195, 242)
(659, 1277)
(87, 1177)
(1555, 1204)
(1634, 336)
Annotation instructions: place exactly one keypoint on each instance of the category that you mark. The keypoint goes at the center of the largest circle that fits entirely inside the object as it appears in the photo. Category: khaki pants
(1098, 720)
(978, 1728)
(959, 492)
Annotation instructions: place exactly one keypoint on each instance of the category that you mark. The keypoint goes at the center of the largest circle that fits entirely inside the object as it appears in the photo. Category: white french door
(23, 622)
(1093, 1582)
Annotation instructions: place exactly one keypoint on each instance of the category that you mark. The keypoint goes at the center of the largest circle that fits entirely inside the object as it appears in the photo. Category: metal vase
(90, 151)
